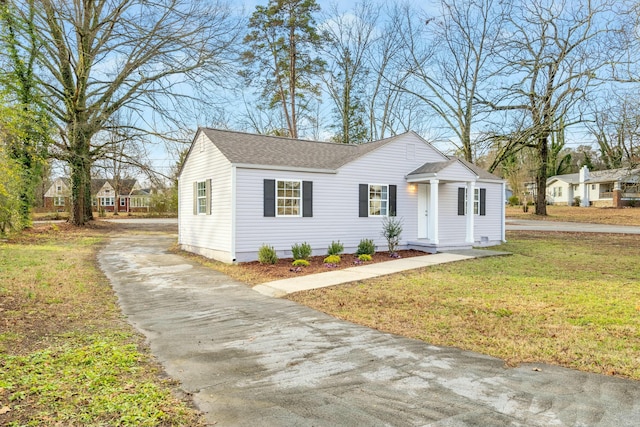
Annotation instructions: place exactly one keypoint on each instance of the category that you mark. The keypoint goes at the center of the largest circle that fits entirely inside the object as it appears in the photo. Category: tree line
(498, 83)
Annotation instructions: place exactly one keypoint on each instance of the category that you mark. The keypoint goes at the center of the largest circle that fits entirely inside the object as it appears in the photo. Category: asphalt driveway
(252, 360)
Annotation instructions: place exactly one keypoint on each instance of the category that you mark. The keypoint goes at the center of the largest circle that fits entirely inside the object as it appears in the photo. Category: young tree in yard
(103, 56)
(448, 61)
(550, 57)
(282, 55)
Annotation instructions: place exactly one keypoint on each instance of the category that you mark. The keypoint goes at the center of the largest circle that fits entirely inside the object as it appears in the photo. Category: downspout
(233, 213)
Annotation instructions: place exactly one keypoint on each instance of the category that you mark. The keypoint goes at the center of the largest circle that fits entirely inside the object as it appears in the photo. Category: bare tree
(448, 60)
(103, 56)
(550, 56)
(616, 127)
(349, 40)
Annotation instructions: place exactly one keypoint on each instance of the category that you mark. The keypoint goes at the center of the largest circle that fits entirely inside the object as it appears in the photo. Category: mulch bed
(283, 268)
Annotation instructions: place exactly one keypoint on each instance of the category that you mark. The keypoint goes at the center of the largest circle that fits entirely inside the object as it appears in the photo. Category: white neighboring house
(607, 188)
(238, 191)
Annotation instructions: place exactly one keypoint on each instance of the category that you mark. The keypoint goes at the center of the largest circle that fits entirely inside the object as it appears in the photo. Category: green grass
(66, 355)
(566, 299)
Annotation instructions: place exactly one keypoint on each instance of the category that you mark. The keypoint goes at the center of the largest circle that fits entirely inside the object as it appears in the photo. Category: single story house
(130, 197)
(606, 188)
(238, 191)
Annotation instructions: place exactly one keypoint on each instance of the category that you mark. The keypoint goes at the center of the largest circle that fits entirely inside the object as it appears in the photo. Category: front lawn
(624, 216)
(67, 357)
(569, 299)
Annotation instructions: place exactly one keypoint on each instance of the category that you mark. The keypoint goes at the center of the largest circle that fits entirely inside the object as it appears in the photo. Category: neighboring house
(58, 196)
(607, 188)
(130, 197)
(238, 191)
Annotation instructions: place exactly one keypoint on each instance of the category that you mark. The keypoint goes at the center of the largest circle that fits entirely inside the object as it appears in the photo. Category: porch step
(433, 248)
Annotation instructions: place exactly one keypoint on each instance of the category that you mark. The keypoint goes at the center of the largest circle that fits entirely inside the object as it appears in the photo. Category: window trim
(479, 201)
(123, 202)
(103, 203)
(202, 197)
(58, 201)
(278, 197)
(369, 200)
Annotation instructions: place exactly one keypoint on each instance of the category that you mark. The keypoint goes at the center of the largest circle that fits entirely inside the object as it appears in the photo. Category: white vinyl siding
(488, 226)
(209, 235)
(335, 203)
(288, 198)
(378, 200)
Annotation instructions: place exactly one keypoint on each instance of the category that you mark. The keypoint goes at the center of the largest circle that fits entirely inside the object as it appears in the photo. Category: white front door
(423, 211)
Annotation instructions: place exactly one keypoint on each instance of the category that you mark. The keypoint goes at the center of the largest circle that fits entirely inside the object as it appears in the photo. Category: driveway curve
(250, 360)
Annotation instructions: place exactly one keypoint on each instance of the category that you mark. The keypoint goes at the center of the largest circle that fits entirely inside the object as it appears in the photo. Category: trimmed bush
(301, 263)
(364, 257)
(514, 200)
(267, 255)
(301, 251)
(366, 246)
(332, 259)
(335, 248)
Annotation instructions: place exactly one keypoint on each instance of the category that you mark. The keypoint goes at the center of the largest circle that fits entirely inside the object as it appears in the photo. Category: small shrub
(332, 259)
(576, 201)
(335, 248)
(301, 263)
(301, 251)
(267, 255)
(367, 247)
(391, 230)
(364, 257)
(514, 200)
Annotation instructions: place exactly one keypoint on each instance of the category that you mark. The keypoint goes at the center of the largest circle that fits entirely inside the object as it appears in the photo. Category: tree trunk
(80, 163)
(541, 175)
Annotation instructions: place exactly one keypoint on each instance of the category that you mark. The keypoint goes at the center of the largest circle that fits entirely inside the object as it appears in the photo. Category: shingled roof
(265, 150)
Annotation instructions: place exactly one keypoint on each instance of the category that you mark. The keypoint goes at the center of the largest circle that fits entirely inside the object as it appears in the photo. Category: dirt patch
(284, 269)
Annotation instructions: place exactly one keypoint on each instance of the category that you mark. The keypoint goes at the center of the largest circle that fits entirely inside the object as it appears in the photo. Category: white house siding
(451, 226)
(53, 190)
(335, 202)
(209, 235)
(563, 193)
(487, 230)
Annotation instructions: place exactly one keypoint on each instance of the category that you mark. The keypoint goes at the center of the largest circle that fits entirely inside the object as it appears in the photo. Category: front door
(423, 211)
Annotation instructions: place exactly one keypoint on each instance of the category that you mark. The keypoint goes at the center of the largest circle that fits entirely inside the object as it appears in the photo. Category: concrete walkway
(252, 360)
(279, 288)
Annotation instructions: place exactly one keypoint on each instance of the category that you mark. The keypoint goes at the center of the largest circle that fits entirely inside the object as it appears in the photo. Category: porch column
(471, 186)
(433, 211)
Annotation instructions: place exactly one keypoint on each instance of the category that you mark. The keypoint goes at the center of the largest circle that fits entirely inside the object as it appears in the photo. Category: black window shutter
(364, 200)
(269, 197)
(393, 191)
(483, 201)
(461, 192)
(208, 193)
(195, 198)
(307, 198)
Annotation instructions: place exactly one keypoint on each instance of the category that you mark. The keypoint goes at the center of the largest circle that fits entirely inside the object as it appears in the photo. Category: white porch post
(433, 210)
(470, 216)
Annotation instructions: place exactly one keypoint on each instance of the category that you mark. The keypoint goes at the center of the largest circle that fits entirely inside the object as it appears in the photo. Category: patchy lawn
(67, 357)
(569, 299)
(624, 216)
